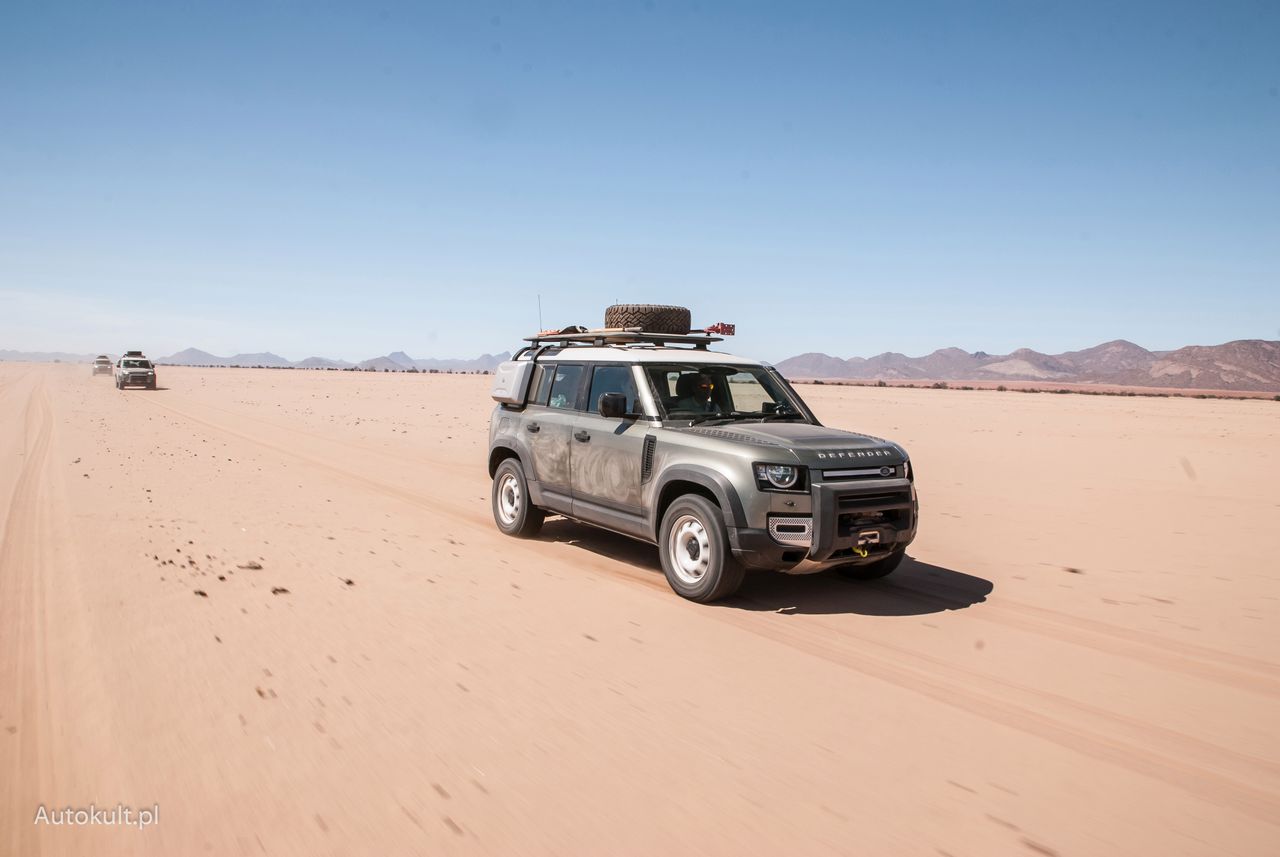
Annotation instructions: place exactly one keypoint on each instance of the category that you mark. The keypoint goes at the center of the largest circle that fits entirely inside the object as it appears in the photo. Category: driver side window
(612, 379)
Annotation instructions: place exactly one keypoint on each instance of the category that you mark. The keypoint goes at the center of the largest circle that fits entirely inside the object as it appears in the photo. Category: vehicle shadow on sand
(916, 588)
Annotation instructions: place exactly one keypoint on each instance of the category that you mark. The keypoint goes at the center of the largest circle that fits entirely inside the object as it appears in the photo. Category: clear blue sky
(352, 179)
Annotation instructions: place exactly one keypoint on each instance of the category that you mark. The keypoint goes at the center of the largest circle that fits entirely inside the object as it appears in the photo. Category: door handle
(582, 436)
(533, 428)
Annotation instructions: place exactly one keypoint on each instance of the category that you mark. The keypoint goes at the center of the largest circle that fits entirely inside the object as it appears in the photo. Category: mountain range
(396, 361)
(1245, 364)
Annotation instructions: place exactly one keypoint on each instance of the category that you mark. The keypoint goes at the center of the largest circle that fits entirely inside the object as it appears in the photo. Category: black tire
(873, 570)
(513, 512)
(151, 385)
(651, 318)
(695, 552)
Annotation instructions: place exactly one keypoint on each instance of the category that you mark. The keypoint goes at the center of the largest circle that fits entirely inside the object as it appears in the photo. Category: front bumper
(851, 522)
(137, 380)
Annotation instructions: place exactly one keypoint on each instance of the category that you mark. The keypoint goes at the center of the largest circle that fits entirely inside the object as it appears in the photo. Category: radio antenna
(539, 311)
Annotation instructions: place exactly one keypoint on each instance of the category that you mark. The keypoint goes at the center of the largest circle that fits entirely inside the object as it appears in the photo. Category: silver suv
(713, 458)
(135, 370)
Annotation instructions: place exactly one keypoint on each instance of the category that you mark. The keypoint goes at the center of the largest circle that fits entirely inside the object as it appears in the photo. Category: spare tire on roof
(651, 318)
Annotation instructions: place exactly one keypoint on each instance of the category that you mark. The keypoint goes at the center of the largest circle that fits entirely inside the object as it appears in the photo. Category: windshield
(701, 391)
(137, 364)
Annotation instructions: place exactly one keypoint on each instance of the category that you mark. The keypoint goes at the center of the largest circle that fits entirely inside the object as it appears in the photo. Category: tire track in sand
(24, 672)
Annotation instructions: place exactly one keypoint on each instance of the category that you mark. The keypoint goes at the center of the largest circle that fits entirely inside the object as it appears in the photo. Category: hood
(813, 445)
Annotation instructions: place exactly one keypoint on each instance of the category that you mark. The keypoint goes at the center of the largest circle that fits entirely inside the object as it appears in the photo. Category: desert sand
(275, 605)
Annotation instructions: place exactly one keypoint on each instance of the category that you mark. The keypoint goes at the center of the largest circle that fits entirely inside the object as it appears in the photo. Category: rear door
(607, 452)
(548, 423)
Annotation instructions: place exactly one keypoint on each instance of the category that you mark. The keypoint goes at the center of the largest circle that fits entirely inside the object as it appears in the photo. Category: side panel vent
(646, 458)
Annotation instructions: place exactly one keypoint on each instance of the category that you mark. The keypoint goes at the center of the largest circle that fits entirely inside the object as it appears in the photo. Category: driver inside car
(695, 392)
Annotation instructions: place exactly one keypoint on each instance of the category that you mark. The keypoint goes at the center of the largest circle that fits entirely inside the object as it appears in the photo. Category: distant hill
(45, 357)
(322, 363)
(194, 357)
(485, 362)
(396, 361)
(383, 364)
(1245, 364)
(263, 358)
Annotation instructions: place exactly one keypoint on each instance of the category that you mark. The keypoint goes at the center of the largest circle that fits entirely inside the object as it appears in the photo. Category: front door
(606, 452)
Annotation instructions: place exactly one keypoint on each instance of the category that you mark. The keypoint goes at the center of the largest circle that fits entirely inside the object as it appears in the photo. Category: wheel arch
(703, 482)
(499, 454)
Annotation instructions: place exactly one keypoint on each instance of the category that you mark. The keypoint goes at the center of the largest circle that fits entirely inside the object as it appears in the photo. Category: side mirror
(613, 405)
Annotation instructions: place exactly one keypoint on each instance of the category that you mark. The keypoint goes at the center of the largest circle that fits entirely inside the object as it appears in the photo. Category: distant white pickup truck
(102, 365)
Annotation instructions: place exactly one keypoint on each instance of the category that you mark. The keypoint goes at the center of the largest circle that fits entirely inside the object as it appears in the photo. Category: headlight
(779, 477)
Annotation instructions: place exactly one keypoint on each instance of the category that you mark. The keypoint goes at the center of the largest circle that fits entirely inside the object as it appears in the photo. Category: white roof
(642, 354)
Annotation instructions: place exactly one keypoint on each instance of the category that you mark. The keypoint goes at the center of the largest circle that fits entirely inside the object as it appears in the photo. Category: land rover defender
(712, 457)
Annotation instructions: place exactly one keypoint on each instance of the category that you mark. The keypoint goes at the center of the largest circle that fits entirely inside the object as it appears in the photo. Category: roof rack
(699, 339)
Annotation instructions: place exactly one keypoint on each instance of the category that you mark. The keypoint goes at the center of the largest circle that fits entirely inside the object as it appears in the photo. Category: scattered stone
(202, 593)
(1069, 570)
(252, 564)
(279, 590)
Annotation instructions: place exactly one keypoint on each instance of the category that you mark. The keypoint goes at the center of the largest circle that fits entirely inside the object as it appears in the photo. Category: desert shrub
(1002, 388)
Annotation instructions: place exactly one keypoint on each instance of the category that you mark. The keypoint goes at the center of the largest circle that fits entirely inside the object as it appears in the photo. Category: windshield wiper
(696, 419)
(709, 415)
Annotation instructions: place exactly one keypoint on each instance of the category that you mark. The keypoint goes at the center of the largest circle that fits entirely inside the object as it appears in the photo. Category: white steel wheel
(694, 548)
(514, 514)
(691, 551)
(509, 498)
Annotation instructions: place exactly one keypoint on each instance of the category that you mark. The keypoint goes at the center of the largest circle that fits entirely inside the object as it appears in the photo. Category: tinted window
(564, 387)
(612, 379)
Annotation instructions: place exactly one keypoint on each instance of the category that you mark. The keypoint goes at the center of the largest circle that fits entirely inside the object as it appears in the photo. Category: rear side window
(564, 387)
(612, 379)
(540, 387)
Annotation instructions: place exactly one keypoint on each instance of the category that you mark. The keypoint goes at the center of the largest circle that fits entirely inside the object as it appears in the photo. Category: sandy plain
(1082, 657)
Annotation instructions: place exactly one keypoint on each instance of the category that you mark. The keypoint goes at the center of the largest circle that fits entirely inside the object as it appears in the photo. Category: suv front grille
(863, 473)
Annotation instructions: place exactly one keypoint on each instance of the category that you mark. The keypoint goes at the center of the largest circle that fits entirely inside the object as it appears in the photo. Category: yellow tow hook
(860, 551)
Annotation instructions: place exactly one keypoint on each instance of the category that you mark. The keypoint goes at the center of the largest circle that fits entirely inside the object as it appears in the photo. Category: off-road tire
(693, 518)
(513, 511)
(651, 318)
(873, 570)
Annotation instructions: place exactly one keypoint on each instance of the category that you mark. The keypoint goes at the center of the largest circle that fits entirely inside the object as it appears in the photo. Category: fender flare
(713, 480)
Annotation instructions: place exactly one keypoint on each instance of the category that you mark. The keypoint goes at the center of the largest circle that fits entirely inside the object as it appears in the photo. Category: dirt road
(274, 605)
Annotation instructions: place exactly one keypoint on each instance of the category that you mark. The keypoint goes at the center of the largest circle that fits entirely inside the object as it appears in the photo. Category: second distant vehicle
(102, 365)
(135, 370)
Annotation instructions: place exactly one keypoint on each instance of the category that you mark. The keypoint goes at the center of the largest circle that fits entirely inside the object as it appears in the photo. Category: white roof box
(511, 382)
